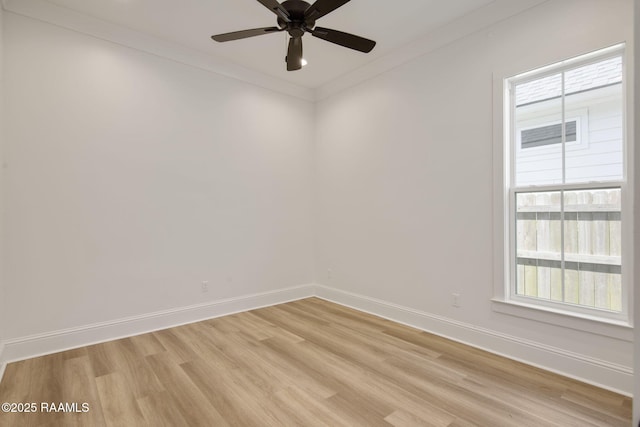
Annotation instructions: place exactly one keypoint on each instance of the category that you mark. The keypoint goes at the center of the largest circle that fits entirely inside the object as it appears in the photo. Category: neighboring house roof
(592, 76)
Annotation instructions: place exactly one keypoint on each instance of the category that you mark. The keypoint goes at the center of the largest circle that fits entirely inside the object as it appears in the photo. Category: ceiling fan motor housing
(296, 9)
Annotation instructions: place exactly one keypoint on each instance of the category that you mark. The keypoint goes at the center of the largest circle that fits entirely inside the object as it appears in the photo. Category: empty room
(320, 212)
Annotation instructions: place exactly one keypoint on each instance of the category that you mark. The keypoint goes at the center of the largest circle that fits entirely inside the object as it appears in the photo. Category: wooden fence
(589, 230)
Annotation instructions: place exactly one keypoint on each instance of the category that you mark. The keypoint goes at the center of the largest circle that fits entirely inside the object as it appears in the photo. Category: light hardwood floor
(303, 363)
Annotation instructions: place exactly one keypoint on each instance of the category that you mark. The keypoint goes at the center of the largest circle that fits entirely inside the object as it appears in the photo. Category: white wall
(2, 300)
(636, 358)
(132, 178)
(404, 182)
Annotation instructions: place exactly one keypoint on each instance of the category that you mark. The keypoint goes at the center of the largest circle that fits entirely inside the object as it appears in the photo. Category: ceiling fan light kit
(298, 17)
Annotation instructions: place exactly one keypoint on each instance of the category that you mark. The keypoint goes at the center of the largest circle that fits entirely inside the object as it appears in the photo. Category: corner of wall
(315, 232)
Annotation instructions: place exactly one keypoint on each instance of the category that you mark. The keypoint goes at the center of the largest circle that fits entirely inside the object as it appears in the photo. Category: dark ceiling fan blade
(344, 39)
(322, 7)
(276, 8)
(236, 35)
(294, 54)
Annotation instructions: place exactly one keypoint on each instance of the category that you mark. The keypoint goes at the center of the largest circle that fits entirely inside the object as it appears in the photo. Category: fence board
(615, 292)
(587, 288)
(520, 279)
(530, 280)
(601, 290)
(571, 286)
(556, 284)
(544, 283)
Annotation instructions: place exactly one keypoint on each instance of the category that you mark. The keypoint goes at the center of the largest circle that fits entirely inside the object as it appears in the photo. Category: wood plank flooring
(304, 363)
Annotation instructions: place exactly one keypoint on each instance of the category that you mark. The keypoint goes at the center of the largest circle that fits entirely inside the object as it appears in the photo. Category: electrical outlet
(204, 286)
(455, 301)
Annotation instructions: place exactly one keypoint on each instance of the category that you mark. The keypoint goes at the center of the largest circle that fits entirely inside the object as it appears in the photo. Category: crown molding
(471, 23)
(85, 24)
(464, 26)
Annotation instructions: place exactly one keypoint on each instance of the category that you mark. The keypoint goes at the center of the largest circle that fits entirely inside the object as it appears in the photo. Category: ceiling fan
(298, 17)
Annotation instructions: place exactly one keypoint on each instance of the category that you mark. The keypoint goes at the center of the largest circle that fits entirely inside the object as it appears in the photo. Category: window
(564, 172)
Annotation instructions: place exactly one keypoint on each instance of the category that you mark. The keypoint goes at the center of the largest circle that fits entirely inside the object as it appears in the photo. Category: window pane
(538, 245)
(592, 247)
(538, 130)
(595, 90)
(592, 243)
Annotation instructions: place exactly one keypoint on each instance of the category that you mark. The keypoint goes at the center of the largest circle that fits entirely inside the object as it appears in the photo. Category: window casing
(565, 176)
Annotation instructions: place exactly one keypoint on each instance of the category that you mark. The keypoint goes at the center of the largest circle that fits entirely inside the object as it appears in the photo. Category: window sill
(581, 322)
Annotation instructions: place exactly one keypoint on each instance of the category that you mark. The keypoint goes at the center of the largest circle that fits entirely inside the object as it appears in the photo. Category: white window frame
(504, 298)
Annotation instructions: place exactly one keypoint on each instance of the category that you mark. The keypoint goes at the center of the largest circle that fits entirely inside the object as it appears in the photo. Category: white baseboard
(594, 371)
(53, 342)
(590, 370)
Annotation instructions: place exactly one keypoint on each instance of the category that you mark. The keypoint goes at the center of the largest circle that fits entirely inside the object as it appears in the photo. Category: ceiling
(190, 23)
